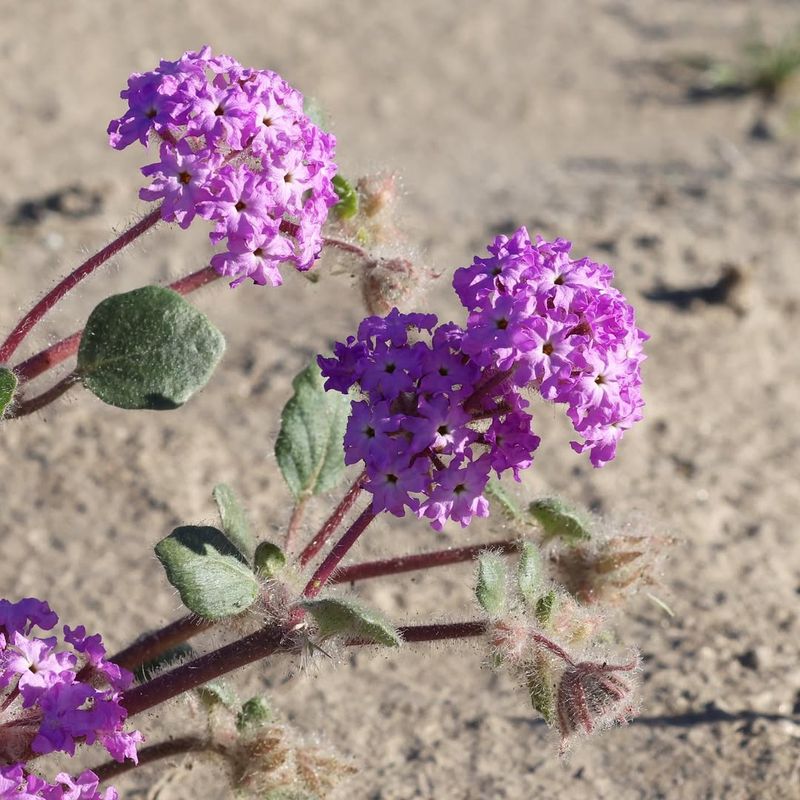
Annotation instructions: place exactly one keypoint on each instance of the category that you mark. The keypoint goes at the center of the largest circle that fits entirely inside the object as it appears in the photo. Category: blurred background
(663, 138)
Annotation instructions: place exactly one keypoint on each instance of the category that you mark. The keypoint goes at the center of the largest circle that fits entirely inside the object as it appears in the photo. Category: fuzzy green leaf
(496, 492)
(540, 687)
(529, 572)
(234, 520)
(347, 207)
(309, 447)
(344, 617)
(490, 588)
(217, 693)
(545, 606)
(148, 349)
(558, 520)
(210, 574)
(255, 712)
(163, 661)
(8, 385)
(269, 559)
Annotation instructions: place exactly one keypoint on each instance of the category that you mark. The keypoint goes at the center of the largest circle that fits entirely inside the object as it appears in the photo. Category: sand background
(561, 116)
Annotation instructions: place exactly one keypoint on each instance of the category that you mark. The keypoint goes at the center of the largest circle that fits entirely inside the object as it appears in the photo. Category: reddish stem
(24, 326)
(293, 528)
(147, 647)
(487, 388)
(340, 244)
(61, 351)
(33, 404)
(332, 523)
(259, 645)
(438, 558)
(151, 753)
(338, 552)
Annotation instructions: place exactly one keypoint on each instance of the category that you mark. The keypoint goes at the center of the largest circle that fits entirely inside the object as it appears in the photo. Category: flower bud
(388, 282)
(591, 695)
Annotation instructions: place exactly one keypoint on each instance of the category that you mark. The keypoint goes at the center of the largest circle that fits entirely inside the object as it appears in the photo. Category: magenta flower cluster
(441, 412)
(558, 325)
(236, 148)
(18, 784)
(57, 695)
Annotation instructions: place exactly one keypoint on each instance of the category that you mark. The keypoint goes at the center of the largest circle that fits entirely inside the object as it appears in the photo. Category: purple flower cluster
(57, 696)
(440, 413)
(433, 424)
(236, 148)
(558, 325)
(18, 784)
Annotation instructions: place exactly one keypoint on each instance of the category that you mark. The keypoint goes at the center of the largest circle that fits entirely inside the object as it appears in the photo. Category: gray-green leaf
(347, 206)
(269, 559)
(344, 617)
(545, 606)
(217, 693)
(148, 349)
(309, 448)
(559, 520)
(234, 520)
(529, 572)
(210, 574)
(254, 713)
(163, 661)
(8, 385)
(496, 492)
(540, 687)
(490, 588)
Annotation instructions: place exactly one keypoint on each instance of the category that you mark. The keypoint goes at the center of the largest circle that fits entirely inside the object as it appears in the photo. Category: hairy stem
(60, 351)
(41, 308)
(151, 753)
(259, 645)
(347, 247)
(337, 553)
(332, 523)
(30, 405)
(293, 528)
(437, 558)
(151, 645)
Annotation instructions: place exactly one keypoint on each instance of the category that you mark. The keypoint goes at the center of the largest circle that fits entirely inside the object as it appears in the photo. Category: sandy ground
(561, 116)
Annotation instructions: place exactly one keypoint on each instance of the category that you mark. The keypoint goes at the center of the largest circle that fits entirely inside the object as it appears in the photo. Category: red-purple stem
(338, 552)
(438, 558)
(41, 308)
(254, 647)
(33, 404)
(61, 351)
(332, 523)
(154, 752)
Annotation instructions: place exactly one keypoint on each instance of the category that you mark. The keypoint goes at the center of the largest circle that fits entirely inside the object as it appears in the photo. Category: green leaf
(338, 617)
(508, 508)
(217, 693)
(234, 520)
(163, 661)
(558, 520)
(347, 207)
(529, 572)
(8, 385)
(210, 574)
(255, 713)
(490, 588)
(148, 349)
(540, 687)
(545, 606)
(269, 559)
(309, 448)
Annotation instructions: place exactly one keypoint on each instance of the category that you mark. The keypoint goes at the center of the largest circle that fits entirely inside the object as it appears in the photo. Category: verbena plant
(428, 414)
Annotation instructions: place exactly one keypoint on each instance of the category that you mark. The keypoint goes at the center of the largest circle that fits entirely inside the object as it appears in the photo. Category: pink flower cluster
(433, 425)
(440, 413)
(236, 148)
(17, 784)
(558, 325)
(57, 696)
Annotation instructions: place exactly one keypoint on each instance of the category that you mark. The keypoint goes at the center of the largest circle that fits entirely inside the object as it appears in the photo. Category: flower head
(235, 148)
